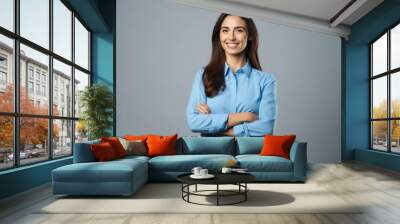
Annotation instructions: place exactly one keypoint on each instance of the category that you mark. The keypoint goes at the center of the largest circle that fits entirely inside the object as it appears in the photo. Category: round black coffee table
(238, 179)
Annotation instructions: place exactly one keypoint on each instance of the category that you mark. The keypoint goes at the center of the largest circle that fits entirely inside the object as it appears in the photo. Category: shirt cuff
(241, 130)
(219, 122)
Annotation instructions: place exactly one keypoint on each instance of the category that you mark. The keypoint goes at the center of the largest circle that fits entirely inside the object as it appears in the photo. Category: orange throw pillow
(277, 145)
(116, 145)
(103, 151)
(161, 145)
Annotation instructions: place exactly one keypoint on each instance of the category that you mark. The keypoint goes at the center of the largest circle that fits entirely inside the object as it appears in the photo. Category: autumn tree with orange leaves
(34, 130)
(380, 127)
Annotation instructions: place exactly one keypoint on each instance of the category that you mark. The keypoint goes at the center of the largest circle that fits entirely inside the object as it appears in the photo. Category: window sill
(26, 167)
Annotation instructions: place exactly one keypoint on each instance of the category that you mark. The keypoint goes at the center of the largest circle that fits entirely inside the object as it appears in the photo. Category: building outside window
(3, 72)
(43, 90)
(38, 75)
(3, 61)
(44, 77)
(30, 87)
(30, 72)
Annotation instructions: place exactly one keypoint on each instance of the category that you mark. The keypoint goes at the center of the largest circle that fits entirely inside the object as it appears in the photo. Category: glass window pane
(62, 29)
(379, 135)
(62, 138)
(34, 79)
(379, 100)
(6, 74)
(81, 81)
(62, 89)
(6, 142)
(395, 136)
(33, 140)
(395, 94)
(379, 55)
(35, 21)
(395, 47)
(81, 131)
(7, 14)
(81, 45)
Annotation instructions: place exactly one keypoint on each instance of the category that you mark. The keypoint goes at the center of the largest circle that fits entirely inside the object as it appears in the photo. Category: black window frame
(388, 74)
(16, 115)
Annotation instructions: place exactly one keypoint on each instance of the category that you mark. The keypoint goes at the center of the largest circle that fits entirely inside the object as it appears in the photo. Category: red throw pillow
(161, 145)
(277, 145)
(103, 151)
(116, 145)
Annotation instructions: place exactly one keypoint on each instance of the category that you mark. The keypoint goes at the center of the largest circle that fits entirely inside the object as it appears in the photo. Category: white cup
(226, 170)
(196, 171)
(203, 172)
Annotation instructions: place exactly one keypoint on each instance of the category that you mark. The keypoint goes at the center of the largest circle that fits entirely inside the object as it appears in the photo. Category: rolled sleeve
(241, 130)
(198, 122)
(219, 122)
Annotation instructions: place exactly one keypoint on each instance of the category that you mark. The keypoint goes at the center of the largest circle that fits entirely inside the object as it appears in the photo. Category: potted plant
(96, 102)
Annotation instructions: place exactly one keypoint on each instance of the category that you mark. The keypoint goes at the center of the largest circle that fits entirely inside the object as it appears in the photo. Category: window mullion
(389, 106)
(50, 81)
(370, 98)
(16, 84)
(73, 82)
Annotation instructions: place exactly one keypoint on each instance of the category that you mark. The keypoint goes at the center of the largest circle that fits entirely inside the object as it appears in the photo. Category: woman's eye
(240, 31)
(224, 31)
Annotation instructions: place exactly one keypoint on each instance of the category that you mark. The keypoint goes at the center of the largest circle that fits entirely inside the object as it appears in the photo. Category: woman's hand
(238, 118)
(249, 116)
(203, 108)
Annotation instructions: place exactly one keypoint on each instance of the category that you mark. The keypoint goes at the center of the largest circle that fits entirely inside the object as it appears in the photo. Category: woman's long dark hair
(213, 77)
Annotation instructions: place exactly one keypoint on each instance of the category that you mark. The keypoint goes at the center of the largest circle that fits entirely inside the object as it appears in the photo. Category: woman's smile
(232, 45)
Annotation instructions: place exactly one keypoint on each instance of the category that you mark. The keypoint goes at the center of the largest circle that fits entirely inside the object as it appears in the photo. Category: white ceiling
(315, 15)
(319, 9)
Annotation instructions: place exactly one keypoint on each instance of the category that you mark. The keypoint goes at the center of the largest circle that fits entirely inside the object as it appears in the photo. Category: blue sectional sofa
(125, 176)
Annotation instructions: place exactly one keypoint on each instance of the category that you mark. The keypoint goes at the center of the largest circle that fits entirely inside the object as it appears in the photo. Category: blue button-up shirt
(249, 90)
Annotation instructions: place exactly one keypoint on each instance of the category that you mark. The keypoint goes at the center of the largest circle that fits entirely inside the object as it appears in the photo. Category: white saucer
(208, 176)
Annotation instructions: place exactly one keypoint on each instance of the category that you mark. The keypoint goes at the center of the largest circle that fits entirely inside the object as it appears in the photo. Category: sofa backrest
(83, 153)
(249, 145)
(206, 145)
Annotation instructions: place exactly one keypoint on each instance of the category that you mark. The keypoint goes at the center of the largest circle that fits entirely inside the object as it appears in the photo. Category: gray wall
(161, 44)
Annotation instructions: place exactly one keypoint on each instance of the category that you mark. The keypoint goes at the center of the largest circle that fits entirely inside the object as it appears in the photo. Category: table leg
(188, 190)
(217, 194)
(245, 193)
(196, 188)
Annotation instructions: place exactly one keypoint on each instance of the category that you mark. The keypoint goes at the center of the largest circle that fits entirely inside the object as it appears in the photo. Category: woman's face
(233, 35)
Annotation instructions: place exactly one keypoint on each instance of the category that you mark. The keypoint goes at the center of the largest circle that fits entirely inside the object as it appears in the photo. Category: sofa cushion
(206, 145)
(131, 158)
(257, 163)
(249, 145)
(111, 171)
(185, 163)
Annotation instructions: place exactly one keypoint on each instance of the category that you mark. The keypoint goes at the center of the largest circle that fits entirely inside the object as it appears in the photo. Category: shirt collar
(246, 69)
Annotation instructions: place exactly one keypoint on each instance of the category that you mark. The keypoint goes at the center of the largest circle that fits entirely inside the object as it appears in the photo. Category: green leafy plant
(96, 102)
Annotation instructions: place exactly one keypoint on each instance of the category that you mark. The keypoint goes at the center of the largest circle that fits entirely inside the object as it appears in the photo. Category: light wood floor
(378, 188)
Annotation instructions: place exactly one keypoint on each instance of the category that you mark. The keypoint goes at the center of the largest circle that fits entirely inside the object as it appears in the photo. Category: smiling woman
(231, 95)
